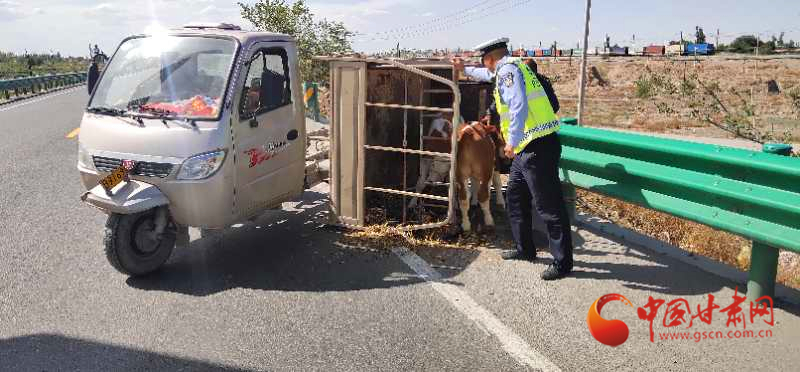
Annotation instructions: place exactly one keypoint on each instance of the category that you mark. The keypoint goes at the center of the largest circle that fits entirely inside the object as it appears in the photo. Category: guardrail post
(764, 258)
(763, 270)
(570, 194)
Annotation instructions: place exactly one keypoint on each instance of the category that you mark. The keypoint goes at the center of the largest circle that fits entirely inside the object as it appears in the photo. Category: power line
(462, 20)
(431, 21)
(473, 16)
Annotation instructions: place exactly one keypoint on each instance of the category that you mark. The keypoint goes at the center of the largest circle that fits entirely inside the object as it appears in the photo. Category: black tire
(123, 251)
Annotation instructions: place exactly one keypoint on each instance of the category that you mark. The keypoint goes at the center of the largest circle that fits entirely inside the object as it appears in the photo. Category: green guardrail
(34, 84)
(752, 194)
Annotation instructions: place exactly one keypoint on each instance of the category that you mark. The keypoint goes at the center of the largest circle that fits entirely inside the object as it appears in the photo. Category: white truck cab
(199, 126)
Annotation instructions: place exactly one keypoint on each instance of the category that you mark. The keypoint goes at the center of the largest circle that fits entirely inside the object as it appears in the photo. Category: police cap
(492, 45)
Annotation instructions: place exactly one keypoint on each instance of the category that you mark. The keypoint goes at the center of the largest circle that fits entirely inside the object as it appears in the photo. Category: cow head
(499, 142)
(502, 163)
(494, 132)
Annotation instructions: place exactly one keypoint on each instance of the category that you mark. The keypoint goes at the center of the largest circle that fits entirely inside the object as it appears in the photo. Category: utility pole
(717, 39)
(758, 43)
(584, 58)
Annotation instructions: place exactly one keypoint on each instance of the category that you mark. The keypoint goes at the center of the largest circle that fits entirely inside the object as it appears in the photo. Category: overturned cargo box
(393, 148)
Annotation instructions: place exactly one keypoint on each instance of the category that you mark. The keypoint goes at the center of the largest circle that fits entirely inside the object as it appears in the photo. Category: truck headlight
(201, 166)
(85, 159)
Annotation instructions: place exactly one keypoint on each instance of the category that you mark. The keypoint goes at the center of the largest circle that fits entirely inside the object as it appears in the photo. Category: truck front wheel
(132, 244)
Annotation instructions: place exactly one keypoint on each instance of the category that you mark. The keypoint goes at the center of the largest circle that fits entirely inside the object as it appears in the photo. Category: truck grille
(142, 168)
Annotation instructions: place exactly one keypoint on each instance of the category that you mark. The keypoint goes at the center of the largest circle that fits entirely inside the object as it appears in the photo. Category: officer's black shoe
(517, 255)
(553, 272)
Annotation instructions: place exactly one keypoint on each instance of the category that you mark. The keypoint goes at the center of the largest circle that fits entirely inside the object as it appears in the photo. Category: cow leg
(463, 200)
(424, 171)
(473, 194)
(498, 188)
(483, 199)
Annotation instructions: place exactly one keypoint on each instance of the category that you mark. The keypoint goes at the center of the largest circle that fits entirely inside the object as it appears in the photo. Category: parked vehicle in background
(616, 51)
(674, 50)
(704, 49)
(654, 50)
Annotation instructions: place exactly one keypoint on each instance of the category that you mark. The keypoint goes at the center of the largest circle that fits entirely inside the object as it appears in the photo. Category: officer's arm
(478, 73)
(512, 91)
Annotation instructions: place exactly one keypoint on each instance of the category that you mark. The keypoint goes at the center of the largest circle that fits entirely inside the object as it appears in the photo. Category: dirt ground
(616, 104)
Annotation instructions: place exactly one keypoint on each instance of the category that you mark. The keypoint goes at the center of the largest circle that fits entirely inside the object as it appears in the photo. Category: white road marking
(41, 98)
(512, 343)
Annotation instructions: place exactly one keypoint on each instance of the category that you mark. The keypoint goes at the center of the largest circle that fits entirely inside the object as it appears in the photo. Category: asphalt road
(284, 293)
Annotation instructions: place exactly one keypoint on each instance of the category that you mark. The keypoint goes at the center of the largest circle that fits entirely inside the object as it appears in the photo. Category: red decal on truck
(267, 151)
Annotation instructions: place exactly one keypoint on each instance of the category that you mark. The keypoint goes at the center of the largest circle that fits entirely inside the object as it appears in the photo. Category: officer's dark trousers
(533, 183)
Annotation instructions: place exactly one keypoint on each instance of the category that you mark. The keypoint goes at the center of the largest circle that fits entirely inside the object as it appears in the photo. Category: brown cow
(477, 151)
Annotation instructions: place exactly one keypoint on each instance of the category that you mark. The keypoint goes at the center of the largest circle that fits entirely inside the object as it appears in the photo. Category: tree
(314, 37)
(743, 44)
(700, 36)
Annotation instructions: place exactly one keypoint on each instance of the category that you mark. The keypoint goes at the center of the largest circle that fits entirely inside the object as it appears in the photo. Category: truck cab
(210, 115)
(200, 126)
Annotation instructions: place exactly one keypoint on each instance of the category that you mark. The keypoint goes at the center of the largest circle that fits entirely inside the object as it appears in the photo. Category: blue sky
(69, 26)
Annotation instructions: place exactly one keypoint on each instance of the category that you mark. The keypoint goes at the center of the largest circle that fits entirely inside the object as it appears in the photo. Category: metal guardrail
(33, 84)
(751, 194)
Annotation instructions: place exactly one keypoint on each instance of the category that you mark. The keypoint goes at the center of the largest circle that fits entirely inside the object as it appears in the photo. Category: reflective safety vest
(541, 119)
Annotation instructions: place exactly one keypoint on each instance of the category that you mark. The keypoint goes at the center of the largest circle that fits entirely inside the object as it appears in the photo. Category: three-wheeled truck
(200, 126)
(204, 126)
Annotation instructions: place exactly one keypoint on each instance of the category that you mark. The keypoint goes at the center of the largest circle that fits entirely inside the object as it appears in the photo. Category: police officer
(530, 128)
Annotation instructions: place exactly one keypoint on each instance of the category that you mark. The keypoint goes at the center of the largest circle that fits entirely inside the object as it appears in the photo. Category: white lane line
(39, 99)
(512, 343)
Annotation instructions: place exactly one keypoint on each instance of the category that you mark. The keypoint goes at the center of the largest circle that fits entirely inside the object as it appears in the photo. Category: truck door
(269, 134)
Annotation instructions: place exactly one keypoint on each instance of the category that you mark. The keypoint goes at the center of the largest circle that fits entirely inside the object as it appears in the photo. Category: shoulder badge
(508, 80)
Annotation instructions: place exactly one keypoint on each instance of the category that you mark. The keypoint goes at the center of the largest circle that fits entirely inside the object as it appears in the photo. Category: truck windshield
(176, 76)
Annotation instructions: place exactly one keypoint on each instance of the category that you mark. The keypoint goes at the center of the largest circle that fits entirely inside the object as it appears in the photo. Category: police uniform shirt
(511, 84)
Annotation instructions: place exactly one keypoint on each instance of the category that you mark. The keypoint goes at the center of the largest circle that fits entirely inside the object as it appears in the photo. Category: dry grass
(385, 237)
(690, 236)
(664, 125)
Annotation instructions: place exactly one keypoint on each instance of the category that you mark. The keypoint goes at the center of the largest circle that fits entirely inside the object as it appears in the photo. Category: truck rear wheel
(131, 245)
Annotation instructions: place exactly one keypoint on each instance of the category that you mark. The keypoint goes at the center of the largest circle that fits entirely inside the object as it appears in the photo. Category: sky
(69, 26)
